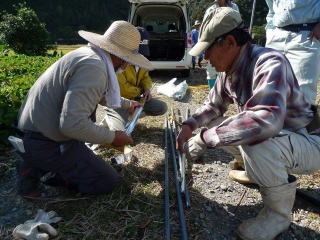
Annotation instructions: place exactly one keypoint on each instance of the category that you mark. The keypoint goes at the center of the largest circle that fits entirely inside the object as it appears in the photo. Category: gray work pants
(73, 161)
(269, 163)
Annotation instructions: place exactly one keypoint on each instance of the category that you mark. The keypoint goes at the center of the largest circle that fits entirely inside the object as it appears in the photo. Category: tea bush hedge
(17, 74)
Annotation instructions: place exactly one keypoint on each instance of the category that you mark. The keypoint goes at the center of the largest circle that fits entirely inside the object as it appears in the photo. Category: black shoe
(28, 181)
(55, 180)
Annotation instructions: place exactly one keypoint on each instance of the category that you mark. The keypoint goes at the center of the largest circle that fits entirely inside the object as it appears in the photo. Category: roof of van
(158, 1)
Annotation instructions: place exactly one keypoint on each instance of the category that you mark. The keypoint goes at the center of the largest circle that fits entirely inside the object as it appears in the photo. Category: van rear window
(160, 18)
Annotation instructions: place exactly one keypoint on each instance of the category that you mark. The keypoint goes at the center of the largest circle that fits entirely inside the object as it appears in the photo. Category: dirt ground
(135, 209)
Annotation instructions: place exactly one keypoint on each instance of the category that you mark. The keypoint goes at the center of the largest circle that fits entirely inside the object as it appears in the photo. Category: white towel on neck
(113, 98)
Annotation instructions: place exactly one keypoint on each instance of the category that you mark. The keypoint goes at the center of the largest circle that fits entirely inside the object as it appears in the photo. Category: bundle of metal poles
(178, 167)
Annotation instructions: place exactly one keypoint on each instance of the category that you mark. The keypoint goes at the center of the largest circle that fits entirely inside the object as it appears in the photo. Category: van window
(160, 18)
(166, 25)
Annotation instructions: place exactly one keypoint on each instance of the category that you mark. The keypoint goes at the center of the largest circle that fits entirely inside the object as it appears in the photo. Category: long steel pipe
(166, 183)
(182, 159)
(182, 220)
(131, 125)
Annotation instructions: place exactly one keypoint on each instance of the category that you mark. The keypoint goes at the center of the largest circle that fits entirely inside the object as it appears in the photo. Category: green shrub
(259, 34)
(23, 32)
(17, 75)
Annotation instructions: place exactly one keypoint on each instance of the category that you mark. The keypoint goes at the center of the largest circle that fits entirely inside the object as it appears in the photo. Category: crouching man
(55, 120)
(135, 81)
(269, 129)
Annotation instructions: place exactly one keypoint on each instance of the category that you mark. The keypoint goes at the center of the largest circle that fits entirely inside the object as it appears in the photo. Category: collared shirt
(287, 12)
(261, 83)
(133, 82)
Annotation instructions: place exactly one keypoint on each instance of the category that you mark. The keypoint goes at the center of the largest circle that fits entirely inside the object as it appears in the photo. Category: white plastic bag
(177, 92)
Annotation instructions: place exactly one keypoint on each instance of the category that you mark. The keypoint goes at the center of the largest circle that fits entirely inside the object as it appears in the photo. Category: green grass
(65, 48)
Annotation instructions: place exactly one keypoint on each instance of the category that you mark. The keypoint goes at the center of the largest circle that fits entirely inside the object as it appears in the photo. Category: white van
(168, 24)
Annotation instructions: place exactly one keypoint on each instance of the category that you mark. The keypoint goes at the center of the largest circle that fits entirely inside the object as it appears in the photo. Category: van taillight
(189, 39)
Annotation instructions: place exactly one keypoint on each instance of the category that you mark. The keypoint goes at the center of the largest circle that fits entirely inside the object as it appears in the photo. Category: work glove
(195, 147)
(39, 228)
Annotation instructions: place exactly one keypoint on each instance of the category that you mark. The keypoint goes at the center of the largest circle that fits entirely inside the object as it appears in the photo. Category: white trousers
(269, 163)
(303, 55)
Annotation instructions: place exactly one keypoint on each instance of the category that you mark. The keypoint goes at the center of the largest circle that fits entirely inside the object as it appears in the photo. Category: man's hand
(147, 95)
(315, 32)
(195, 147)
(134, 105)
(184, 135)
(121, 139)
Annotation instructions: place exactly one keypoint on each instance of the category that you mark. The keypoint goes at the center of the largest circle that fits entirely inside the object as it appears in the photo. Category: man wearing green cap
(269, 130)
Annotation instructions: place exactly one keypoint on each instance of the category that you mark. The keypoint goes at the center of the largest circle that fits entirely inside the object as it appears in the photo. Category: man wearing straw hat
(269, 129)
(57, 117)
(135, 82)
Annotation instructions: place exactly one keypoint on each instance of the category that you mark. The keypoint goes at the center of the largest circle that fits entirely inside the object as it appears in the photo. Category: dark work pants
(73, 161)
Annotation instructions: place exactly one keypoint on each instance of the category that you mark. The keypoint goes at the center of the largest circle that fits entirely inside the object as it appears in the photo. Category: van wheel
(185, 73)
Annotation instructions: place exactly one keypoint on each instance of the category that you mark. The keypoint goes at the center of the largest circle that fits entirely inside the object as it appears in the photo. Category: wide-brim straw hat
(122, 40)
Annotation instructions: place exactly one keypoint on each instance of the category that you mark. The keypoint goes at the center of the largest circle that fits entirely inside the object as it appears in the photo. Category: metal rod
(252, 16)
(187, 113)
(166, 183)
(186, 191)
(174, 129)
(187, 196)
(182, 159)
(131, 125)
(182, 220)
(134, 121)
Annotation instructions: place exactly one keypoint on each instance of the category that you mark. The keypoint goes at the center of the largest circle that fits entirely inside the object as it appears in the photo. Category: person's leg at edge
(268, 164)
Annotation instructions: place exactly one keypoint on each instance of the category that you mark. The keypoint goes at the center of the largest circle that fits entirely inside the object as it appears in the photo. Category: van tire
(185, 73)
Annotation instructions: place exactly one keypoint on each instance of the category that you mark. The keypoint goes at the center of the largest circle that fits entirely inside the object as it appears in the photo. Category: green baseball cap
(218, 22)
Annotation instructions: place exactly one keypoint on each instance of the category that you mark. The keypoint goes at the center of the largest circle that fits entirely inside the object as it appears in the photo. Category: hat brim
(133, 58)
(199, 48)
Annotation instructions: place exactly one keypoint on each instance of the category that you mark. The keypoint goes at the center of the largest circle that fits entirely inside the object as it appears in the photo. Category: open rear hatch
(166, 25)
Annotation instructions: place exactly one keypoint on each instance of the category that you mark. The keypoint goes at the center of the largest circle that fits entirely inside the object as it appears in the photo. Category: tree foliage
(23, 32)
(64, 18)
(198, 7)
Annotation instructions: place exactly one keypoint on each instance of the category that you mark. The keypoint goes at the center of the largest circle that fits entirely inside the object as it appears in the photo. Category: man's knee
(163, 108)
(100, 185)
(264, 164)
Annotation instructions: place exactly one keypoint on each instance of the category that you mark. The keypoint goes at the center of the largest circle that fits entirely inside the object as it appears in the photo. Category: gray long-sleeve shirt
(61, 101)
